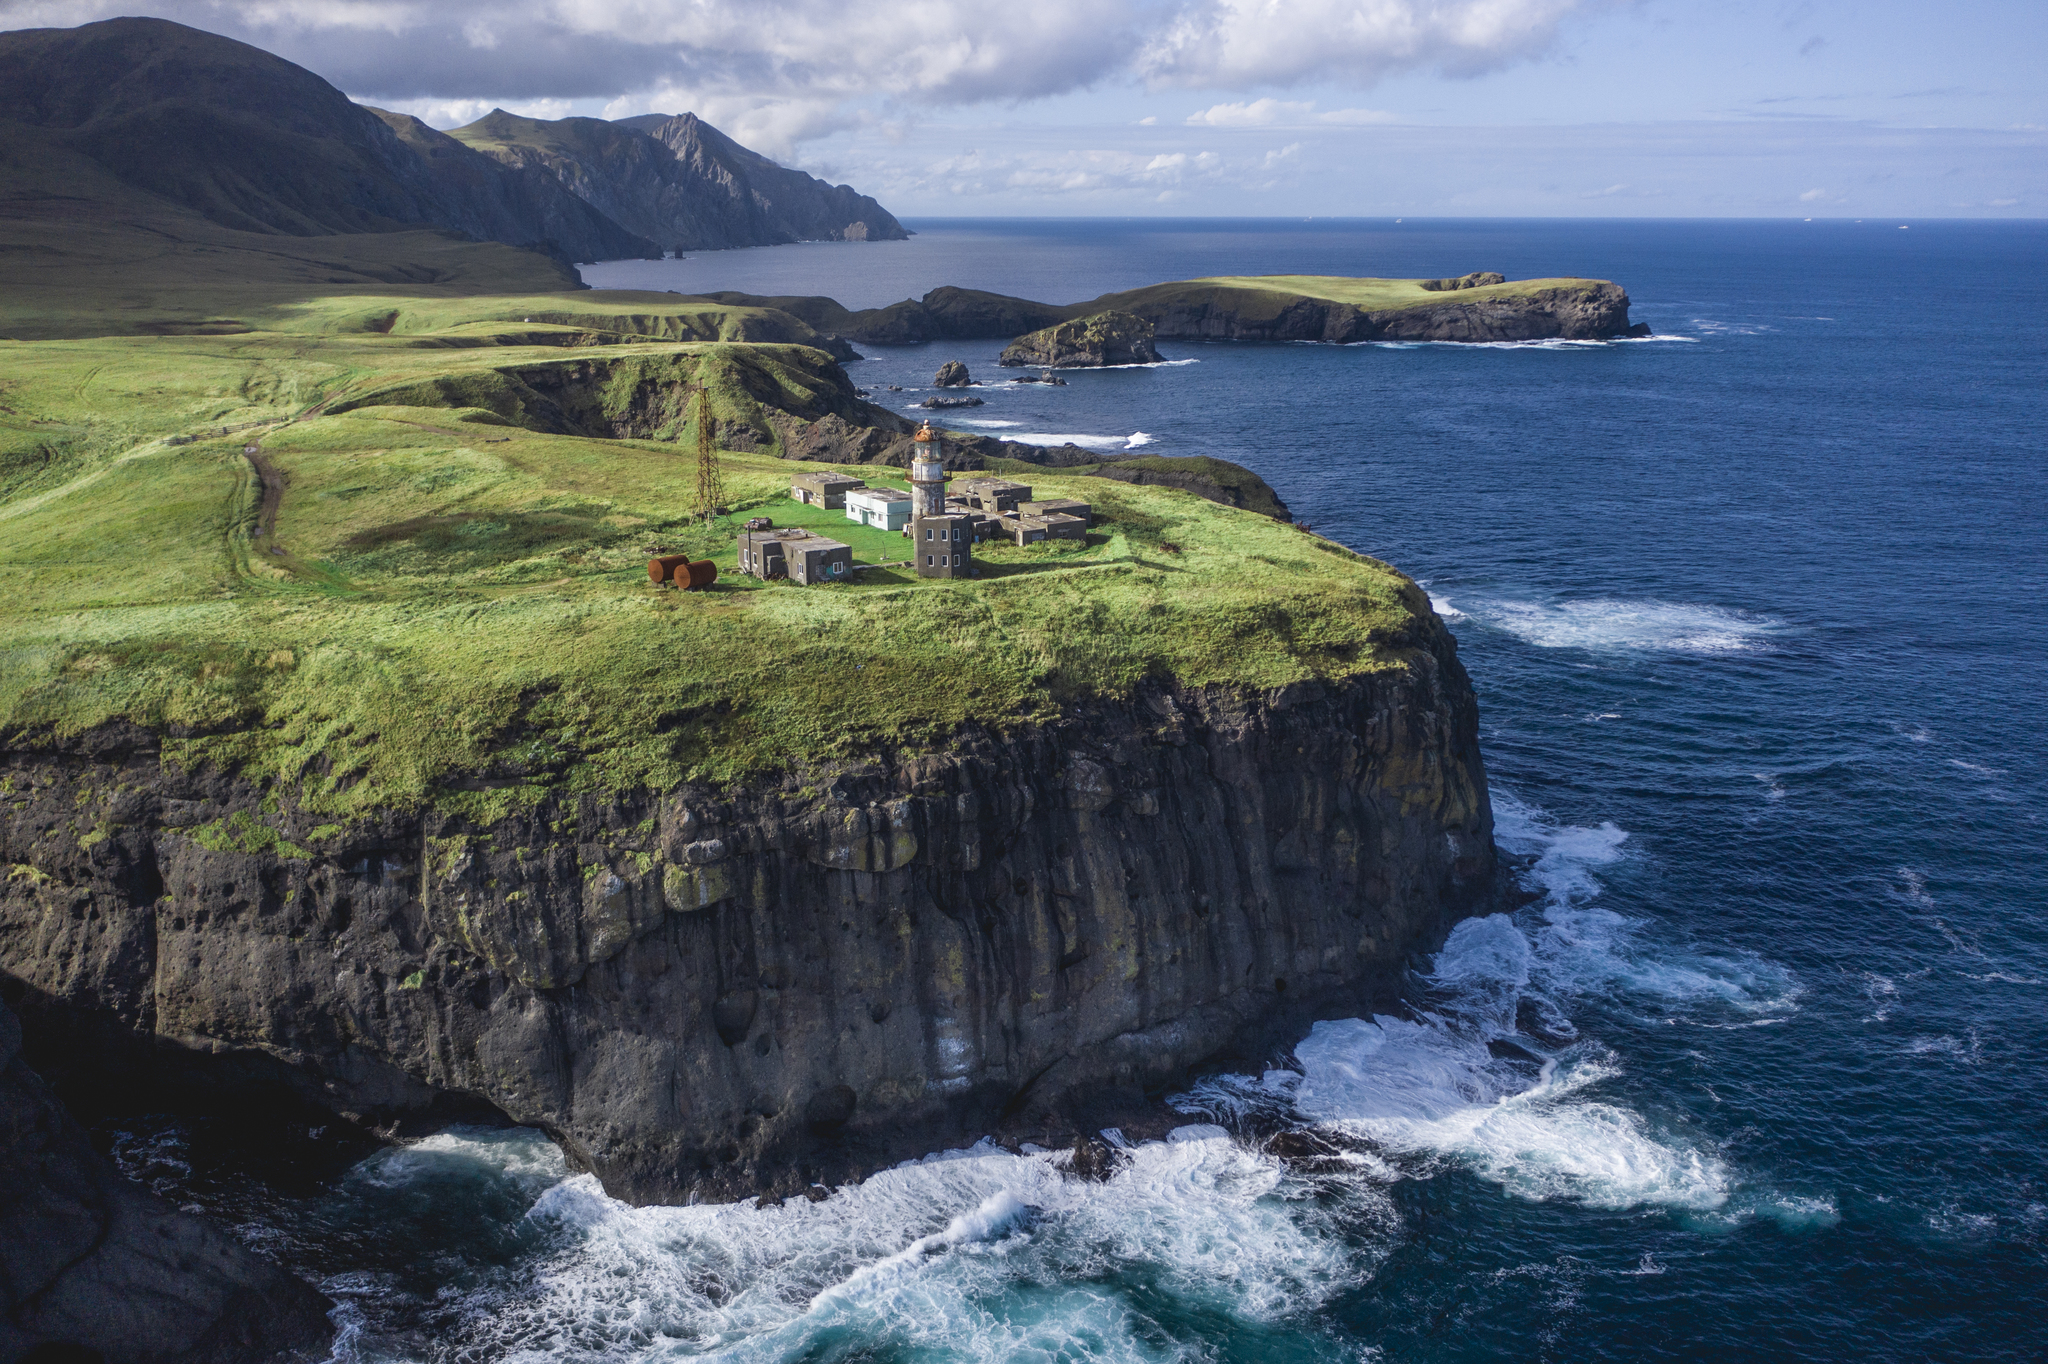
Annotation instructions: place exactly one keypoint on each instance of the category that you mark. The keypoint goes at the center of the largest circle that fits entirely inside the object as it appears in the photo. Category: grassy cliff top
(1371, 295)
(403, 603)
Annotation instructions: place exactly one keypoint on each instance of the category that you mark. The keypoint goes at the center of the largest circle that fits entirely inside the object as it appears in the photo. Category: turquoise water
(1756, 615)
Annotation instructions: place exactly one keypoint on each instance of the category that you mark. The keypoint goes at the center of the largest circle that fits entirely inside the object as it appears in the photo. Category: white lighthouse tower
(927, 475)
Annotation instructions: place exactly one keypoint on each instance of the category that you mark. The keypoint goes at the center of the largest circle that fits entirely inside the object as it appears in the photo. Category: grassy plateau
(422, 589)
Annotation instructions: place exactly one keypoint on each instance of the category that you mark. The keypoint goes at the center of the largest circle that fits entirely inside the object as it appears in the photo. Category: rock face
(952, 374)
(93, 1266)
(712, 992)
(1110, 338)
(1218, 480)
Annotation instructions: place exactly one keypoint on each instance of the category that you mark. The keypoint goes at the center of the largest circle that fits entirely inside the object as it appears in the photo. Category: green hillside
(397, 603)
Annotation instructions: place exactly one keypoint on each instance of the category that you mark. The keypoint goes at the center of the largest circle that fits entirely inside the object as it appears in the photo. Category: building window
(927, 561)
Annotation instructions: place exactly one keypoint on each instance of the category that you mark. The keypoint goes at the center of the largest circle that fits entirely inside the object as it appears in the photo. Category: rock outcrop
(93, 1267)
(710, 992)
(952, 374)
(1106, 338)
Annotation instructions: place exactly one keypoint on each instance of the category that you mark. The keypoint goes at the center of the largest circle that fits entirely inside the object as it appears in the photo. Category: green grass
(447, 601)
(1261, 297)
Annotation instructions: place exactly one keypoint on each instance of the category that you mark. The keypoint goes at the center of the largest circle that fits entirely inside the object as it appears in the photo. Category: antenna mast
(710, 487)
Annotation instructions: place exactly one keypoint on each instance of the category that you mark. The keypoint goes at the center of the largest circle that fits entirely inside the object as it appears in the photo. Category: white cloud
(1813, 196)
(454, 113)
(1232, 44)
(782, 71)
(1264, 113)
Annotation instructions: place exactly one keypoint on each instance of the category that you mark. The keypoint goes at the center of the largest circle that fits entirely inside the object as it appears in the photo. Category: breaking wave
(1607, 623)
(1489, 1072)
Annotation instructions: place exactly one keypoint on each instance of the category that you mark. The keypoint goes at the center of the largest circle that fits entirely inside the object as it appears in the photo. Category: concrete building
(814, 559)
(882, 508)
(798, 555)
(997, 496)
(943, 546)
(1061, 506)
(1060, 526)
(823, 490)
(760, 554)
(1025, 530)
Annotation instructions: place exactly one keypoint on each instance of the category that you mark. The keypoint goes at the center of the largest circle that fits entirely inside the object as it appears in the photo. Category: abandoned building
(825, 490)
(798, 555)
(1058, 506)
(997, 496)
(943, 546)
(881, 508)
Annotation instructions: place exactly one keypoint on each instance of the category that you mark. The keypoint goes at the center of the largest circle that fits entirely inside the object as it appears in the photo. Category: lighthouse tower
(927, 475)
(942, 542)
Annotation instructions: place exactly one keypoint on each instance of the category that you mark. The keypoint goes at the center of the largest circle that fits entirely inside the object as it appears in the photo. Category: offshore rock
(93, 1266)
(726, 991)
(951, 402)
(1107, 338)
(952, 374)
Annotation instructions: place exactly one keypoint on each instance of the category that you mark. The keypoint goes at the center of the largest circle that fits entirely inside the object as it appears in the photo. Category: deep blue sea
(1757, 612)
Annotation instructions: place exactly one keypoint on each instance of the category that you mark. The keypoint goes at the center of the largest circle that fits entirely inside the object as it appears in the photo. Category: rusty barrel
(663, 569)
(703, 573)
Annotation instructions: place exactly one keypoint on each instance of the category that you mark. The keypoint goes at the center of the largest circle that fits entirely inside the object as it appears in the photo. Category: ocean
(1755, 612)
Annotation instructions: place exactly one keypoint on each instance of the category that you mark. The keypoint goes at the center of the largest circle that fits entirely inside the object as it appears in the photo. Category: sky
(965, 108)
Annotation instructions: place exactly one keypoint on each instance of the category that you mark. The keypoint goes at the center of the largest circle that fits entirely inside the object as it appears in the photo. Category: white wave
(1979, 768)
(1064, 438)
(1585, 948)
(972, 1255)
(1460, 1079)
(1612, 623)
(517, 1153)
(1136, 439)
(987, 424)
(1773, 788)
(1883, 994)
(1442, 605)
(1428, 1087)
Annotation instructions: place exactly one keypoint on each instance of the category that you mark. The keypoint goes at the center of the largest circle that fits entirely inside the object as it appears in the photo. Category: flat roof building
(823, 490)
(993, 494)
(796, 554)
(1065, 506)
(1060, 526)
(943, 546)
(881, 508)
(814, 559)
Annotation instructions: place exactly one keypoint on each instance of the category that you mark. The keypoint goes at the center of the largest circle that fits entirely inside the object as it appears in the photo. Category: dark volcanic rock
(1109, 338)
(683, 987)
(952, 374)
(95, 1267)
(951, 402)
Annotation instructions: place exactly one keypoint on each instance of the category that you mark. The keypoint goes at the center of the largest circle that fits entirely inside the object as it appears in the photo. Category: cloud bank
(779, 71)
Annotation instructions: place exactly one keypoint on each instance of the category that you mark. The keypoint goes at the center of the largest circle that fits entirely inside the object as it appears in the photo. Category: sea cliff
(718, 991)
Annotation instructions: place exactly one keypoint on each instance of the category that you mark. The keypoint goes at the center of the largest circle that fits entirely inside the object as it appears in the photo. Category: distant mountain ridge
(257, 144)
(677, 180)
(252, 142)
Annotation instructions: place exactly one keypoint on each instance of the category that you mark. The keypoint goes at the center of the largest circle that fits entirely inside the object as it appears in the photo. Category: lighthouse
(941, 542)
(927, 475)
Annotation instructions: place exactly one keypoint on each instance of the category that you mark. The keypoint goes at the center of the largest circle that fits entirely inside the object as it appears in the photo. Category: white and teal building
(883, 508)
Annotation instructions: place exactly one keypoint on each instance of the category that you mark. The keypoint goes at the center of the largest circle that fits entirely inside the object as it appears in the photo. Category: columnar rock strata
(705, 992)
